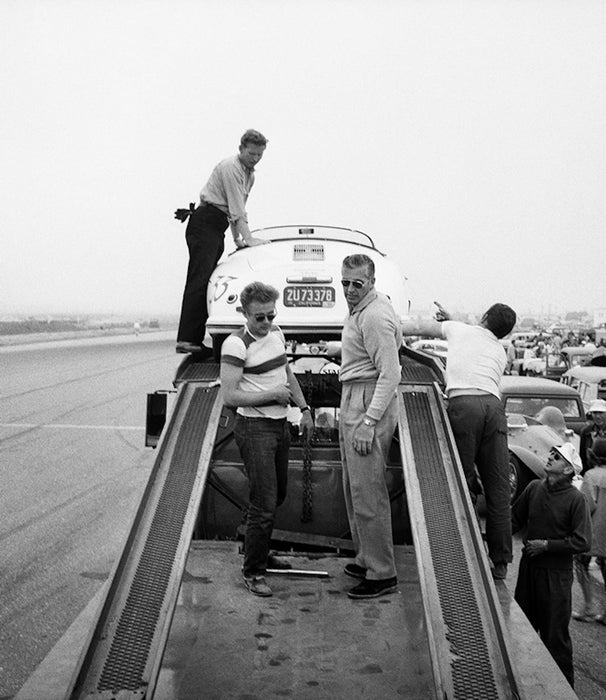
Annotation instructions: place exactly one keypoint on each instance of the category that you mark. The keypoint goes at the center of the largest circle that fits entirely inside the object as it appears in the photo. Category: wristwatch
(305, 408)
(369, 423)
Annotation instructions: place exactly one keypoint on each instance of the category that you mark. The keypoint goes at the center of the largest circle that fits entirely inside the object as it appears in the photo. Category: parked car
(590, 382)
(432, 346)
(528, 395)
(529, 441)
(553, 365)
(523, 339)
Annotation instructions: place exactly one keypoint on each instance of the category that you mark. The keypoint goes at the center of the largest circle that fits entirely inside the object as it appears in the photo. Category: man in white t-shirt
(475, 363)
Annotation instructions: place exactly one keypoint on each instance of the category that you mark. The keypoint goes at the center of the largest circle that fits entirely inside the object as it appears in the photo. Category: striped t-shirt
(263, 361)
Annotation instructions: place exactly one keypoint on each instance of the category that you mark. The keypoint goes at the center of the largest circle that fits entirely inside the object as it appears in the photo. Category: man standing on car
(222, 204)
(370, 374)
(475, 364)
(257, 379)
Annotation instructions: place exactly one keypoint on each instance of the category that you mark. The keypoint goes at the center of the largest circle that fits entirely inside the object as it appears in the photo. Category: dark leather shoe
(373, 589)
(274, 562)
(200, 351)
(257, 585)
(355, 571)
(499, 573)
(185, 347)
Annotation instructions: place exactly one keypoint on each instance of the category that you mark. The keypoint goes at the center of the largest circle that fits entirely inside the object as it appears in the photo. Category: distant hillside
(37, 326)
(66, 324)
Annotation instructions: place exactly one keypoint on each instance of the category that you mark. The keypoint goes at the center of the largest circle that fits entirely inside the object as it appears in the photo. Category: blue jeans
(264, 445)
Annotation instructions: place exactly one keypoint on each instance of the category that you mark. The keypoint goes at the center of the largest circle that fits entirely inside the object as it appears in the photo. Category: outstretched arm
(431, 328)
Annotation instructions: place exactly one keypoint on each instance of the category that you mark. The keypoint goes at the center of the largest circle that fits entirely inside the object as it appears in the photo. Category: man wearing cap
(596, 414)
(557, 521)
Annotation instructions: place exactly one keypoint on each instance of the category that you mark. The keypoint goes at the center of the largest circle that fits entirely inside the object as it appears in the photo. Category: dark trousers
(264, 444)
(479, 426)
(545, 596)
(205, 240)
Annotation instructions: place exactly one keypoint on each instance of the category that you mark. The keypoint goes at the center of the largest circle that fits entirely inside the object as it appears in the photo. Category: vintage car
(553, 365)
(530, 434)
(527, 396)
(304, 264)
(589, 381)
(523, 339)
(529, 442)
(431, 346)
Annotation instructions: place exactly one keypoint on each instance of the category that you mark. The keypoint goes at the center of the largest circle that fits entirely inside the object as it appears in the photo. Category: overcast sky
(467, 137)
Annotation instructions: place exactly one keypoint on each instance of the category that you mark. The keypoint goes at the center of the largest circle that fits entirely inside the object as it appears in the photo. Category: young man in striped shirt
(257, 379)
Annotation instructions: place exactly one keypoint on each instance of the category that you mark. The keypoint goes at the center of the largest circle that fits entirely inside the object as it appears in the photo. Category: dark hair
(258, 291)
(360, 260)
(254, 137)
(500, 319)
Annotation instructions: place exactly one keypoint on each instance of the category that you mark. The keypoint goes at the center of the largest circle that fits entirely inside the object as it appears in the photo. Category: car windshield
(531, 405)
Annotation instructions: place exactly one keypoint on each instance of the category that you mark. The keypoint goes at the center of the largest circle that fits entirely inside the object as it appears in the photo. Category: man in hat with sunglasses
(557, 523)
(257, 380)
(369, 375)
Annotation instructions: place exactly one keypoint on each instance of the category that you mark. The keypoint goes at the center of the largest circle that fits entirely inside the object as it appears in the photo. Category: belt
(453, 393)
(203, 205)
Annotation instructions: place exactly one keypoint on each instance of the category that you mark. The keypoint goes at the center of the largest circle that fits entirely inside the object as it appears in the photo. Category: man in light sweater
(475, 364)
(370, 373)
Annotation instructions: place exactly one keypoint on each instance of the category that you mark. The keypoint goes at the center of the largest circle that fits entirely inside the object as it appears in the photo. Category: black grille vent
(308, 251)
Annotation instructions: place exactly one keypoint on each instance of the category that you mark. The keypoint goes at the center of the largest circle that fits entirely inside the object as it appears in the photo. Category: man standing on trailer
(475, 363)
(257, 379)
(222, 204)
(370, 374)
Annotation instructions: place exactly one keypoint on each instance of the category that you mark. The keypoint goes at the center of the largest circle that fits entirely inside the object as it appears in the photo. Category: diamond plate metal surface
(129, 650)
(471, 668)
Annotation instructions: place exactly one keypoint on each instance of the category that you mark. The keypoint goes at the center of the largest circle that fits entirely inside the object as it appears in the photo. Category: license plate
(309, 295)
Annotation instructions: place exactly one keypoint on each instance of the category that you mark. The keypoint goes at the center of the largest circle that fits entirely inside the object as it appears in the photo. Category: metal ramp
(124, 655)
(466, 632)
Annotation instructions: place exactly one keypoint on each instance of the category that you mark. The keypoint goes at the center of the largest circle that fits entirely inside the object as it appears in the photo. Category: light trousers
(364, 482)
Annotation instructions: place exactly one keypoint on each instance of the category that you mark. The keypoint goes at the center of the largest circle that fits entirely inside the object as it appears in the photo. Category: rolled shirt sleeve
(228, 188)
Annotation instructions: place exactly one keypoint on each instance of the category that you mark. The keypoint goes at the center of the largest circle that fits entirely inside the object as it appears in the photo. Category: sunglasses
(555, 455)
(355, 283)
(259, 318)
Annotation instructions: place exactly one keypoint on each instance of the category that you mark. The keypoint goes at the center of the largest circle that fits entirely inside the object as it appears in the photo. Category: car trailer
(174, 620)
